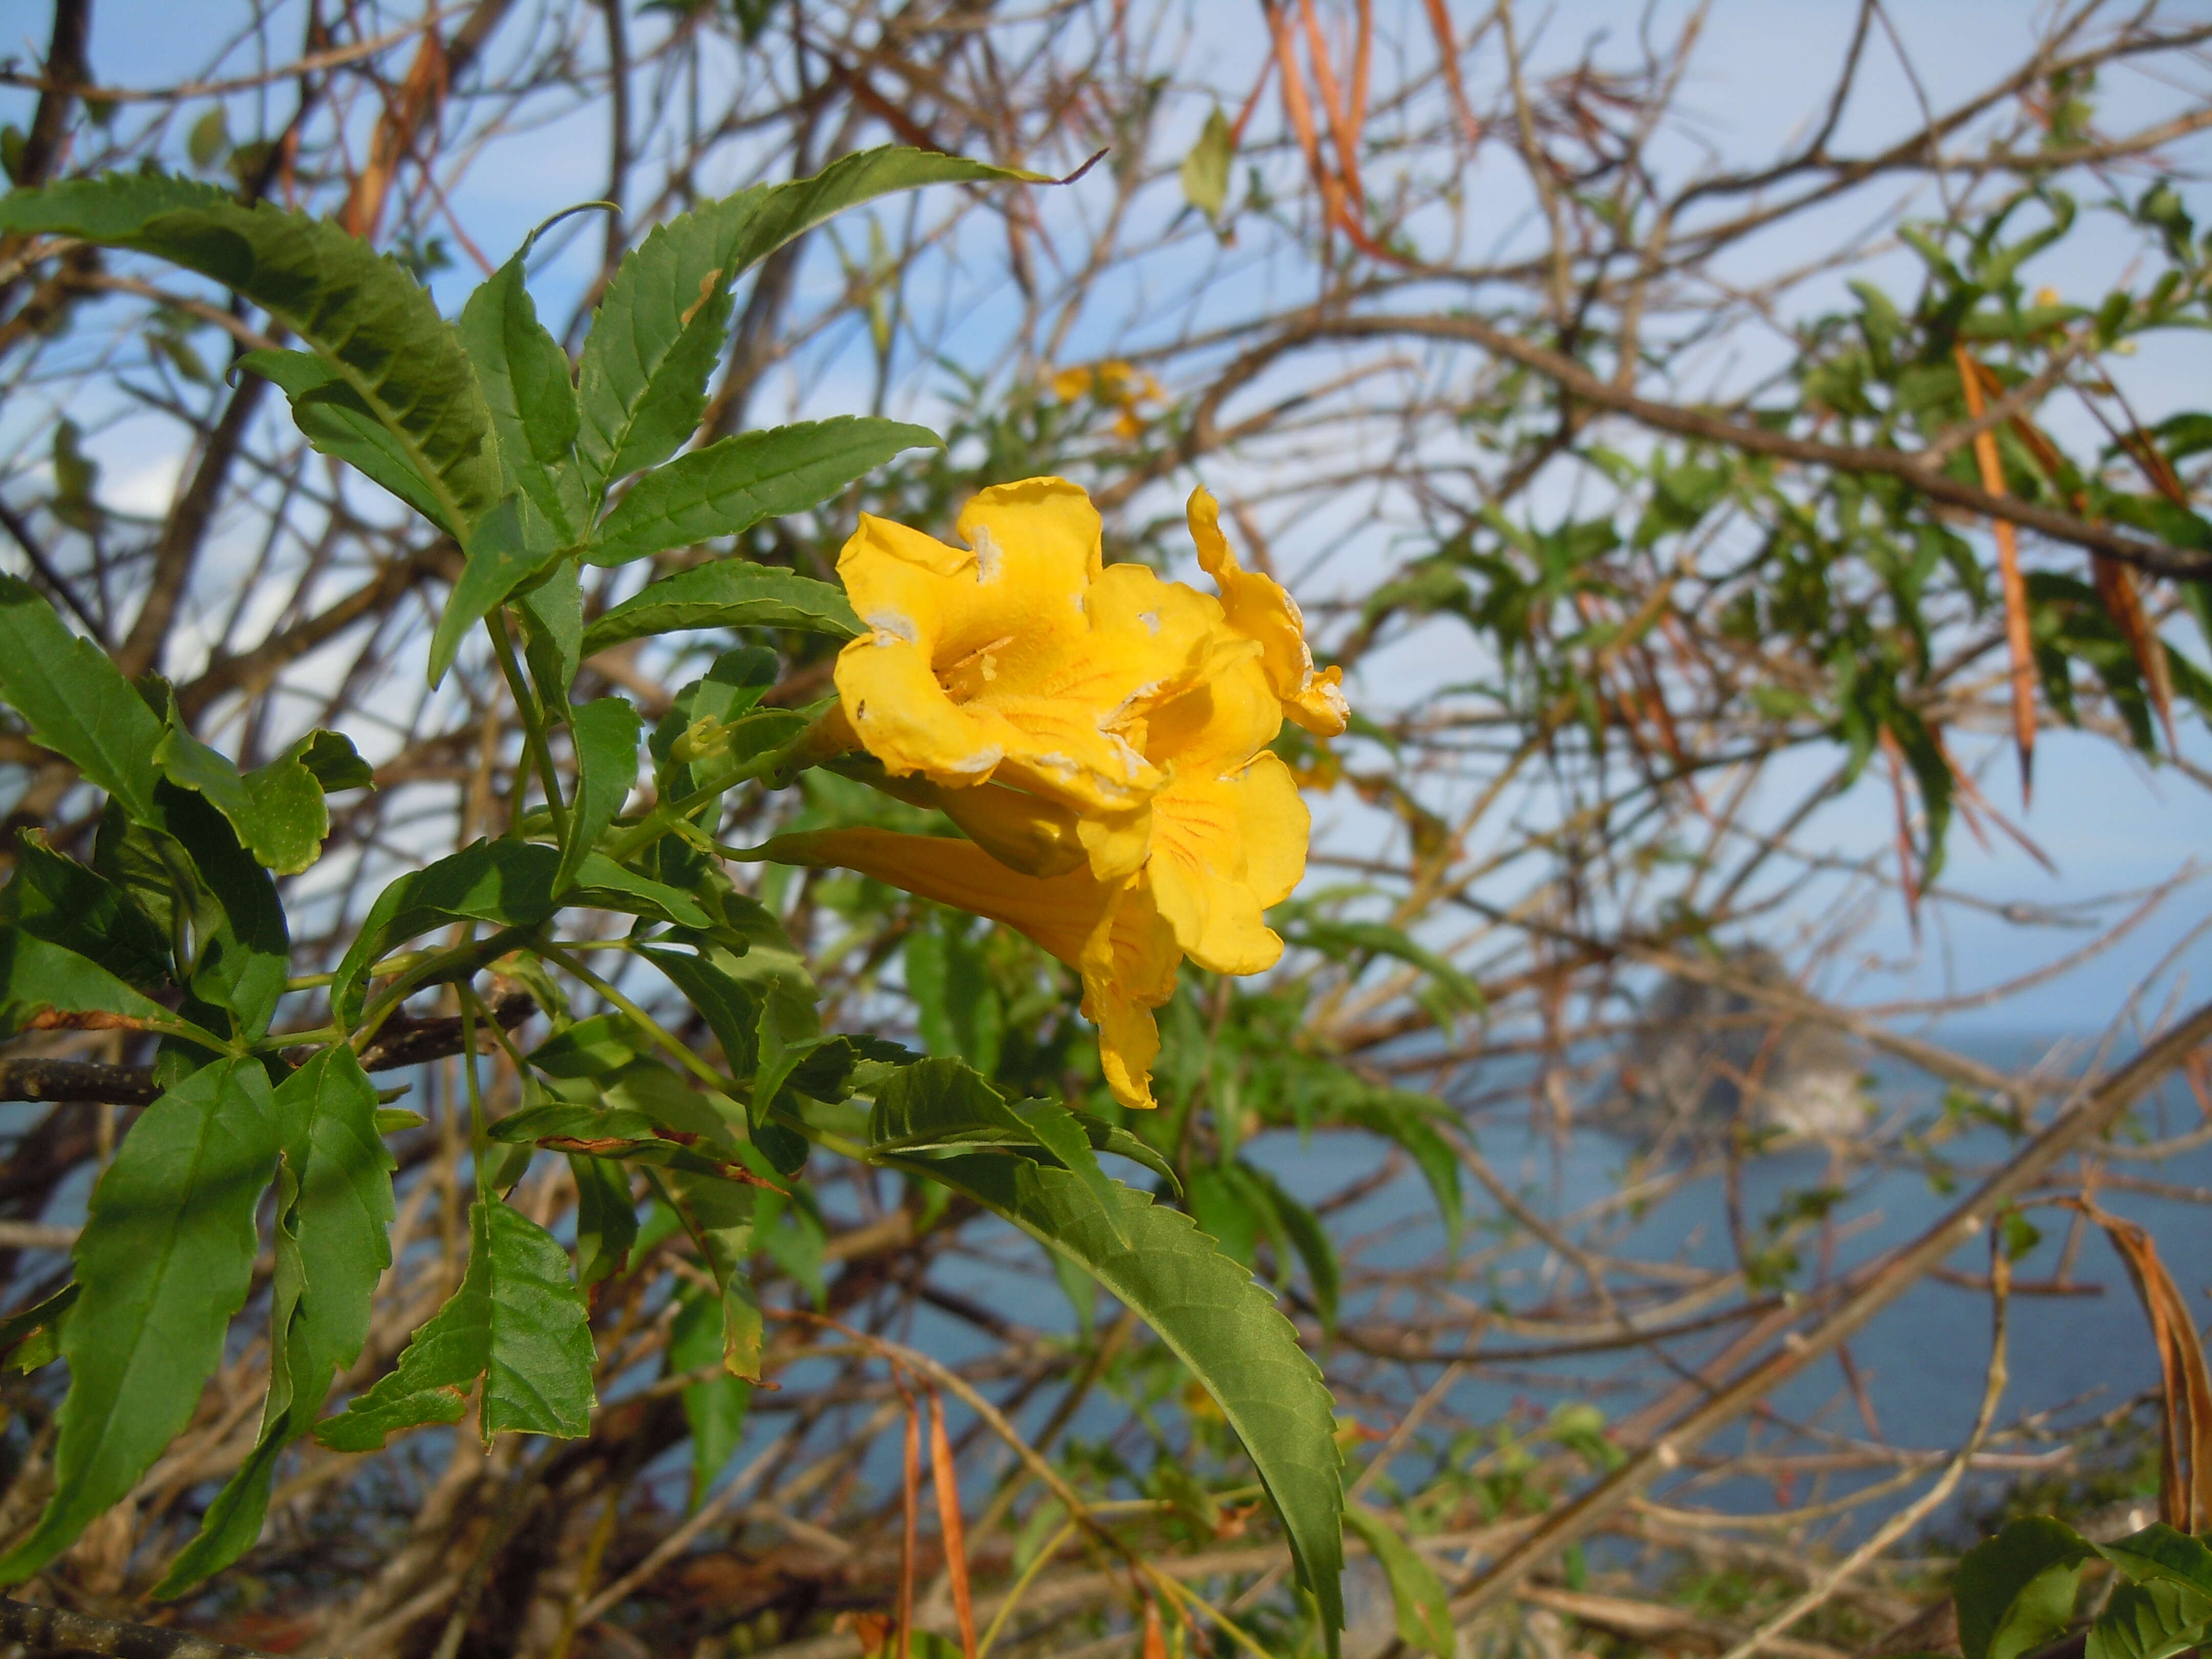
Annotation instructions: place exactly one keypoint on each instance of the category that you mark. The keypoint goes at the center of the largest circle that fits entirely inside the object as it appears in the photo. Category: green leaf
(1206, 169)
(1306, 1235)
(731, 1010)
(606, 1218)
(245, 951)
(334, 761)
(726, 593)
(43, 987)
(957, 1009)
(360, 311)
(2016, 1591)
(642, 382)
(715, 1408)
(55, 899)
(517, 1321)
(504, 881)
(1423, 1609)
(337, 1223)
(2155, 1620)
(526, 377)
(509, 547)
(2162, 1553)
(605, 733)
(77, 702)
(32, 1337)
(338, 423)
(729, 487)
(1406, 1121)
(165, 1260)
(552, 615)
(1339, 940)
(334, 1216)
(1057, 1130)
(1209, 1312)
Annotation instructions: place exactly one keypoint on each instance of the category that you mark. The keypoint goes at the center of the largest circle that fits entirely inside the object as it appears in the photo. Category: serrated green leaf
(729, 487)
(53, 898)
(2162, 1553)
(45, 987)
(1059, 1133)
(605, 732)
(517, 1321)
(730, 1009)
(338, 1224)
(2015, 1592)
(334, 1215)
(526, 377)
(726, 593)
(1416, 1596)
(77, 702)
(334, 761)
(245, 948)
(606, 1218)
(552, 615)
(338, 423)
(1223, 1326)
(508, 883)
(2156, 1621)
(278, 810)
(359, 310)
(165, 1260)
(512, 544)
(642, 382)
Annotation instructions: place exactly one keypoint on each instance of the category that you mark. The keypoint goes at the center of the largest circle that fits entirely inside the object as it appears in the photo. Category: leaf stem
(479, 1129)
(689, 1061)
(666, 817)
(533, 721)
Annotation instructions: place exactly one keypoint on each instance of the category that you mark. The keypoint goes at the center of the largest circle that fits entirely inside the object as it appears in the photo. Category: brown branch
(402, 1040)
(2159, 558)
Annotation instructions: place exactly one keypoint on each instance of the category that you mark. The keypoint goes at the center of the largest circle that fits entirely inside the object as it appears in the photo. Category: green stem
(533, 725)
(683, 1055)
(479, 1128)
(666, 817)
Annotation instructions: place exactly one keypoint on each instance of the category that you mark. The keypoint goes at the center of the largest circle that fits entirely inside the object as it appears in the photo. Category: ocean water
(1921, 1365)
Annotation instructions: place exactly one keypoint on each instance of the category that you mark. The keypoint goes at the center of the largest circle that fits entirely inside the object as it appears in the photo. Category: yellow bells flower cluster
(1115, 383)
(1099, 734)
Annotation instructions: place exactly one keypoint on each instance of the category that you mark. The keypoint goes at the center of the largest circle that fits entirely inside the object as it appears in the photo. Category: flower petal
(1259, 608)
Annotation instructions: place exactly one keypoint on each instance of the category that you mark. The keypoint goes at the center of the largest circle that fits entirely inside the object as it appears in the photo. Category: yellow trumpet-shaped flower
(1019, 658)
(1260, 609)
(1110, 933)
(1100, 735)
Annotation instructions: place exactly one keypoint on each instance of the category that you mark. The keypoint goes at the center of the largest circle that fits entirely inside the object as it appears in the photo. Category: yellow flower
(1117, 384)
(1100, 735)
(1261, 610)
(1019, 658)
(1109, 931)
